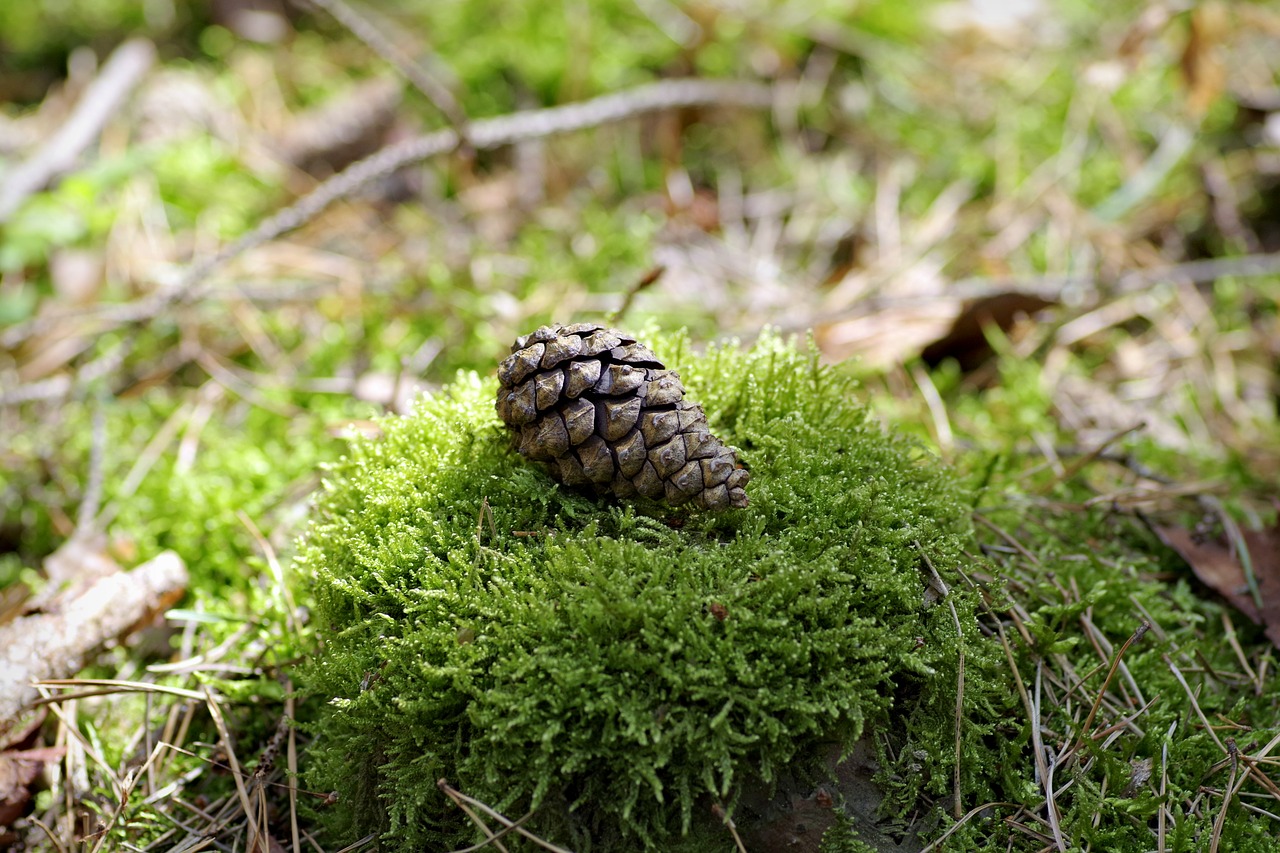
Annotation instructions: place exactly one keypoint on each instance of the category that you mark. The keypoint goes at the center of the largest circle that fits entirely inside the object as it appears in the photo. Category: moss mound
(616, 669)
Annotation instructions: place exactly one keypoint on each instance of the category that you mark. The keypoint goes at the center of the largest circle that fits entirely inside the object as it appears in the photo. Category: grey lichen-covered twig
(57, 642)
(484, 134)
(101, 98)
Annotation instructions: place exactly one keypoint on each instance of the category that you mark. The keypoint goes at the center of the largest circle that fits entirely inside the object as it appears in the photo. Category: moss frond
(611, 665)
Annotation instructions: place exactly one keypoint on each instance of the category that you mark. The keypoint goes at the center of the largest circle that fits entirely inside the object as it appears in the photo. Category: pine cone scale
(518, 407)
(630, 453)
(516, 368)
(617, 417)
(688, 480)
(715, 471)
(547, 388)
(582, 375)
(668, 458)
(659, 426)
(648, 483)
(580, 420)
(562, 349)
(620, 379)
(596, 407)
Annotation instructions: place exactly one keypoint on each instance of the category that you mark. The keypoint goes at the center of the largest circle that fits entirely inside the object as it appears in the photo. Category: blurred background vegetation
(1034, 230)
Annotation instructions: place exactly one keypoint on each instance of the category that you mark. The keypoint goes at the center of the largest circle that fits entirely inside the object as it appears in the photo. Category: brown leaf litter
(1244, 569)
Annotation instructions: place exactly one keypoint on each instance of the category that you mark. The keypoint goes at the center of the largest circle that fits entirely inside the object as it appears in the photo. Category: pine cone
(598, 409)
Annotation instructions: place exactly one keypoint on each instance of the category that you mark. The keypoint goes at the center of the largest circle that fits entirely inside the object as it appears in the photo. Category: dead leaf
(1217, 566)
(20, 764)
(1203, 71)
(76, 275)
(1143, 31)
(966, 341)
(889, 336)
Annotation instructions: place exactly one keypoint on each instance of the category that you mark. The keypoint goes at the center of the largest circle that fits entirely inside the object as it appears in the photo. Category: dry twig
(484, 135)
(940, 587)
(58, 641)
(100, 101)
(470, 805)
(1084, 732)
(436, 91)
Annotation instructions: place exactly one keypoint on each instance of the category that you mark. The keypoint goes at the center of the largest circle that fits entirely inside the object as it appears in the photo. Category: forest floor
(1043, 237)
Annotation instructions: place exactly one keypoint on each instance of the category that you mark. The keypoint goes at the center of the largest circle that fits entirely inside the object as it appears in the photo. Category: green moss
(842, 837)
(616, 668)
(1094, 577)
(174, 477)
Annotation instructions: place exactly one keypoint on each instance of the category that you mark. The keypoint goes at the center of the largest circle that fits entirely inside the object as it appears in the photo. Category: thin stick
(957, 807)
(1162, 816)
(1124, 723)
(291, 756)
(1079, 464)
(1007, 537)
(67, 717)
(100, 101)
(937, 409)
(211, 701)
(719, 811)
(1046, 780)
(932, 845)
(940, 586)
(1195, 704)
(463, 801)
(645, 281)
(92, 499)
(130, 782)
(1229, 630)
(441, 97)
(1097, 702)
(489, 134)
(117, 686)
(484, 135)
(1215, 837)
(1008, 654)
(277, 572)
(58, 845)
(493, 839)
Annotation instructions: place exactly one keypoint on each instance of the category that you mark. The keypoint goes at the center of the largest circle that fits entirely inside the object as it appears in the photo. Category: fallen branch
(100, 101)
(58, 641)
(483, 134)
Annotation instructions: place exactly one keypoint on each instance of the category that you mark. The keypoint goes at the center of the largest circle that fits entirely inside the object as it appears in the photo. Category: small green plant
(613, 668)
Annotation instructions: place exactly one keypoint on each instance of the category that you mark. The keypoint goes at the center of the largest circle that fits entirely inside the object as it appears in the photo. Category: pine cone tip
(597, 409)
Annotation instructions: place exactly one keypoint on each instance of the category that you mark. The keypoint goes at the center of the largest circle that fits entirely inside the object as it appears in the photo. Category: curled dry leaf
(1218, 566)
(20, 763)
(935, 328)
(889, 335)
(966, 340)
(1203, 70)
